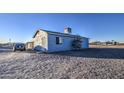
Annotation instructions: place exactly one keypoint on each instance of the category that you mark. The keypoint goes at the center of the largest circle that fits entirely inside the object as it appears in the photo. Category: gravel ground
(84, 64)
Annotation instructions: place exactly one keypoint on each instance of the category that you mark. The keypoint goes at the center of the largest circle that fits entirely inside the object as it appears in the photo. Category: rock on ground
(85, 64)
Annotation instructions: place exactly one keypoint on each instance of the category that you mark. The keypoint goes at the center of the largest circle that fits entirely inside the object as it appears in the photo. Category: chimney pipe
(67, 30)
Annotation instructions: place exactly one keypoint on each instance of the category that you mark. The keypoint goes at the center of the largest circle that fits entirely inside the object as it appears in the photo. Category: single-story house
(51, 41)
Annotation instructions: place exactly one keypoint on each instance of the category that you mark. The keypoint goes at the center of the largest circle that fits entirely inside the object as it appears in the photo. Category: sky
(102, 27)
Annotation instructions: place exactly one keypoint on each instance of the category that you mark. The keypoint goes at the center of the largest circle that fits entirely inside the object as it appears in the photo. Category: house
(29, 45)
(50, 41)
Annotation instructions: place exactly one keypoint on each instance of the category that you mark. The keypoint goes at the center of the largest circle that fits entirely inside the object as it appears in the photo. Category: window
(59, 40)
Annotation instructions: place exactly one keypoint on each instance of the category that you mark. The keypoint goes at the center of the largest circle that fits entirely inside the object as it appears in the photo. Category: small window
(59, 40)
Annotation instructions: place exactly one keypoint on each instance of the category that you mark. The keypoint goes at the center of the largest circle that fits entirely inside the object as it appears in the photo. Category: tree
(76, 43)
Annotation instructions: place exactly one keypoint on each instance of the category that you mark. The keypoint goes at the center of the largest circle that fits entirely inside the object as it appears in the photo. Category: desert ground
(97, 62)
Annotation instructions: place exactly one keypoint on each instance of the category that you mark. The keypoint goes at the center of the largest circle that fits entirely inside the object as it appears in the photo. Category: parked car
(19, 46)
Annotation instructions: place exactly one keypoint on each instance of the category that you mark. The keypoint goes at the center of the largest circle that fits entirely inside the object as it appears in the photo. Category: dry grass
(106, 46)
(95, 63)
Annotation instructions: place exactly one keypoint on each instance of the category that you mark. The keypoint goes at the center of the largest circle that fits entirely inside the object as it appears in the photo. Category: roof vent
(67, 30)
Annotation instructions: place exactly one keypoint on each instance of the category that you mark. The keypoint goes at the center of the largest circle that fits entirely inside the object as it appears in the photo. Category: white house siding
(47, 40)
(85, 43)
(41, 39)
(53, 47)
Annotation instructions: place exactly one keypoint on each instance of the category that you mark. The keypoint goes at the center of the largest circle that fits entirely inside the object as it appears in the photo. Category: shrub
(76, 43)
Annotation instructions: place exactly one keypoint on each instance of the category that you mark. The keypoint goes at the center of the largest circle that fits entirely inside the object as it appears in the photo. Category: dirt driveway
(86, 64)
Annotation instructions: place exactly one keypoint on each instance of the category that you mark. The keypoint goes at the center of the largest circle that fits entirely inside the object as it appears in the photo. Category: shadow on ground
(106, 53)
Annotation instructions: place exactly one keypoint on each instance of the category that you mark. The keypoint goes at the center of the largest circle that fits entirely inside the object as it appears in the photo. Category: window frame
(59, 40)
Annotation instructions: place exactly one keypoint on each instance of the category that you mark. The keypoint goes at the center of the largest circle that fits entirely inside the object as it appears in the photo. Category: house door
(43, 40)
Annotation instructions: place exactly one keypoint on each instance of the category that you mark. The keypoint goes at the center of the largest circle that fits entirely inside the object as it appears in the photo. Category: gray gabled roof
(57, 33)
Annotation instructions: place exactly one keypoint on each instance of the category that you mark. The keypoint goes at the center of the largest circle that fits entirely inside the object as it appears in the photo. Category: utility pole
(9, 41)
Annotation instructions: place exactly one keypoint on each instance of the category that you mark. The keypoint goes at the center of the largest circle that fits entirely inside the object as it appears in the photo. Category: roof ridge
(56, 32)
(48, 31)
